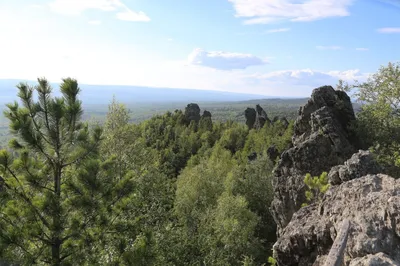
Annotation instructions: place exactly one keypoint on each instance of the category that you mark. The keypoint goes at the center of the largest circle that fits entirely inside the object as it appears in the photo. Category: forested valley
(176, 189)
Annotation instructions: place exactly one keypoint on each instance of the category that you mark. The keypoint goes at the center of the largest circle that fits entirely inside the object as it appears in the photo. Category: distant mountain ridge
(102, 94)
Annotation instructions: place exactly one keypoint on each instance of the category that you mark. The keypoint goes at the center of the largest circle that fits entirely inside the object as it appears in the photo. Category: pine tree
(49, 178)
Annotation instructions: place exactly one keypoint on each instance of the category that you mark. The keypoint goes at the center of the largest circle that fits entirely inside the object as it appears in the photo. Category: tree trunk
(57, 228)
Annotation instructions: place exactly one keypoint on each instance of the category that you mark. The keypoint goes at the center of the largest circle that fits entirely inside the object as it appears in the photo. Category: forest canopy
(177, 189)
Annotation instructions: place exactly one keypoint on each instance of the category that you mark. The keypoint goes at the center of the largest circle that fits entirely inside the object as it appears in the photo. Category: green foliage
(378, 123)
(161, 192)
(272, 261)
(317, 186)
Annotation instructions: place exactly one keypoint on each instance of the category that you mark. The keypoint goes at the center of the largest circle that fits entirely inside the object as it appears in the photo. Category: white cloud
(268, 11)
(362, 49)
(130, 15)
(332, 47)
(77, 7)
(389, 30)
(307, 77)
(278, 30)
(224, 60)
(94, 22)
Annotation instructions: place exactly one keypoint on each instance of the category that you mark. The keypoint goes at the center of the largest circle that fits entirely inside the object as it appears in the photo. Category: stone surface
(371, 204)
(360, 164)
(379, 259)
(321, 140)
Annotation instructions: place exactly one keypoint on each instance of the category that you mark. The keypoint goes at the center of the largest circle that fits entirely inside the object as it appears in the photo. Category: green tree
(316, 187)
(57, 197)
(378, 123)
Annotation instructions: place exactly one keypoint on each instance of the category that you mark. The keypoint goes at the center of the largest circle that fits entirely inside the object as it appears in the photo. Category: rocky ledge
(372, 205)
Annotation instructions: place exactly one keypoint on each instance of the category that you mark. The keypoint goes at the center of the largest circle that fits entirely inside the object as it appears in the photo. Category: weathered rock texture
(321, 140)
(360, 164)
(371, 204)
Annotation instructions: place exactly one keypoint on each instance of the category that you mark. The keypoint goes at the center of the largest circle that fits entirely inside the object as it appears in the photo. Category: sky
(267, 47)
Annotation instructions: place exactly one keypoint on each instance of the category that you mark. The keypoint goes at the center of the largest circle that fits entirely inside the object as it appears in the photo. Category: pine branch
(89, 151)
(27, 200)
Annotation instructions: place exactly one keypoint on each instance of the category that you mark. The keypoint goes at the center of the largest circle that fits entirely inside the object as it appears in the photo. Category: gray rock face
(321, 140)
(379, 259)
(256, 118)
(371, 204)
(360, 164)
(261, 118)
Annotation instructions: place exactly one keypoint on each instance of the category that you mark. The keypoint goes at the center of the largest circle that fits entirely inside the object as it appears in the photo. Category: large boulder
(321, 140)
(371, 204)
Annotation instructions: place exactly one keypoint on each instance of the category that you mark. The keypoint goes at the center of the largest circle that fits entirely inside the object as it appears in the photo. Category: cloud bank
(278, 30)
(332, 47)
(268, 11)
(77, 7)
(389, 30)
(307, 77)
(224, 60)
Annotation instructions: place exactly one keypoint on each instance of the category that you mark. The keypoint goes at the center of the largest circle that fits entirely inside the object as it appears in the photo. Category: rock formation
(371, 203)
(261, 118)
(206, 114)
(321, 140)
(192, 113)
(250, 115)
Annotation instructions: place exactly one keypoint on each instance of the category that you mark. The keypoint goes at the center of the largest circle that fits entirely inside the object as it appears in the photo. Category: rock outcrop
(256, 118)
(371, 204)
(261, 118)
(192, 112)
(250, 115)
(321, 140)
(206, 114)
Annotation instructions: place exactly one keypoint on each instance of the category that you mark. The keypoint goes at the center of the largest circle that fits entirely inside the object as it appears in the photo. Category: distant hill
(102, 94)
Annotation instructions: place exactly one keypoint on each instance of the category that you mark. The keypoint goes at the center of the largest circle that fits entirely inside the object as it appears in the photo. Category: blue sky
(269, 47)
